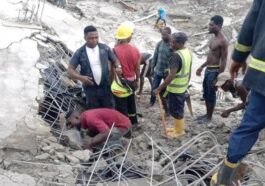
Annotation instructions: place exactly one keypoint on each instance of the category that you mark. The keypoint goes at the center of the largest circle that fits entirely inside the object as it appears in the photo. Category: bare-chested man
(215, 64)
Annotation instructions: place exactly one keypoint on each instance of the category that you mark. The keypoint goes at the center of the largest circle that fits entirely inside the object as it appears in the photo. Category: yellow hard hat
(124, 31)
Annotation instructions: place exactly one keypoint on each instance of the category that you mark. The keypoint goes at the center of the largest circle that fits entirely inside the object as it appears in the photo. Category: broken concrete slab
(19, 84)
(83, 155)
(43, 156)
(72, 159)
(72, 138)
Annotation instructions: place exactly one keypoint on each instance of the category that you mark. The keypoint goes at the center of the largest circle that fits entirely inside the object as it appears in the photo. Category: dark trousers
(127, 106)
(156, 82)
(99, 98)
(245, 136)
(209, 92)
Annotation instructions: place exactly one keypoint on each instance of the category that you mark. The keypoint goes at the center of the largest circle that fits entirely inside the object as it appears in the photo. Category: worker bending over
(176, 83)
(146, 59)
(236, 88)
(99, 122)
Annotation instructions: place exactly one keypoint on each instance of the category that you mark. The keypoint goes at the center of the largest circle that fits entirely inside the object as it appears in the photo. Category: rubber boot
(179, 128)
(225, 175)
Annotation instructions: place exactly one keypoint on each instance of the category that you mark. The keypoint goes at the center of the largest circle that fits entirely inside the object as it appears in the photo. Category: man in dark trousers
(129, 57)
(95, 60)
(251, 42)
(159, 65)
(236, 88)
(99, 122)
(216, 62)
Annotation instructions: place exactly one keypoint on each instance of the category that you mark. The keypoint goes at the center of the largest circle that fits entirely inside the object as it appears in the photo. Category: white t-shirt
(94, 59)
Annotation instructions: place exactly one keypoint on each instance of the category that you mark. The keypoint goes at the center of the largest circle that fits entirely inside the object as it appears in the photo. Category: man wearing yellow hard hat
(124, 88)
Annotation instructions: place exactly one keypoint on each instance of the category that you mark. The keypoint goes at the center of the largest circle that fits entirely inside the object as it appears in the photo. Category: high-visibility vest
(180, 83)
(120, 90)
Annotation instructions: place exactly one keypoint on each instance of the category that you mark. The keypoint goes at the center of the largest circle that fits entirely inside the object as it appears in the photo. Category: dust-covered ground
(38, 154)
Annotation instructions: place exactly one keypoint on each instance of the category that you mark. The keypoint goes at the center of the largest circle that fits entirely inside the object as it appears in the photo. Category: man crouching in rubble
(99, 122)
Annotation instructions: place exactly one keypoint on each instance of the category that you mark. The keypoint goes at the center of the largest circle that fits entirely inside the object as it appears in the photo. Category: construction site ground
(37, 34)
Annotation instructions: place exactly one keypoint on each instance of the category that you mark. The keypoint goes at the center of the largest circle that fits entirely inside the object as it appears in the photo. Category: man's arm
(244, 43)
(103, 130)
(137, 71)
(116, 65)
(175, 62)
(242, 91)
(98, 139)
(154, 61)
(200, 69)
(74, 62)
(223, 60)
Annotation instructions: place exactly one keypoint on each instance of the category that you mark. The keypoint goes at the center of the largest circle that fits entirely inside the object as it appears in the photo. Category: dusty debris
(43, 156)
(82, 155)
(72, 159)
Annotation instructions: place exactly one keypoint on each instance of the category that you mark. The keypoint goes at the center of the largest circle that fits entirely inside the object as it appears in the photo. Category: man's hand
(199, 71)
(235, 69)
(86, 80)
(118, 71)
(87, 143)
(225, 114)
(157, 91)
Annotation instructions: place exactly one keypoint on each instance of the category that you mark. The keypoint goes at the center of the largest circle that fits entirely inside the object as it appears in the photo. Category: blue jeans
(156, 82)
(245, 136)
(209, 92)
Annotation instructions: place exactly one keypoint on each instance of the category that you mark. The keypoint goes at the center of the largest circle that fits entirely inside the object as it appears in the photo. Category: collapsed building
(149, 159)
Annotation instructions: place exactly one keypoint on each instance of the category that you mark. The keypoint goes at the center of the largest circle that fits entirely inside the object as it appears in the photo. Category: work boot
(179, 129)
(225, 175)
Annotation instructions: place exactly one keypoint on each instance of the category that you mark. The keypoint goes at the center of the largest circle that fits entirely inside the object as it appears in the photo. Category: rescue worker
(236, 88)
(95, 60)
(129, 57)
(177, 82)
(161, 20)
(215, 63)
(98, 122)
(146, 59)
(251, 41)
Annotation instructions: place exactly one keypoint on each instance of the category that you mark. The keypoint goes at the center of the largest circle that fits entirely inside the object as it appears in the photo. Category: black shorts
(176, 103)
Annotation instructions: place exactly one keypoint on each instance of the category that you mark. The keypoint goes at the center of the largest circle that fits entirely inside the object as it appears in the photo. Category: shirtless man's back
(215, 63)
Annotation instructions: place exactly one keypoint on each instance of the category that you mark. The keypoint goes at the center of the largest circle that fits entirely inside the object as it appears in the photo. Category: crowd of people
(111, 77)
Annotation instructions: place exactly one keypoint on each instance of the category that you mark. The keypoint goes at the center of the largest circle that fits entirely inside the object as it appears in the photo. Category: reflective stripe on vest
(257, 64)
(181, 81)
(242, 48)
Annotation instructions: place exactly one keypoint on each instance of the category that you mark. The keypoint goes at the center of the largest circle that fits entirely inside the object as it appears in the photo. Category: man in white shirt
(95, 60)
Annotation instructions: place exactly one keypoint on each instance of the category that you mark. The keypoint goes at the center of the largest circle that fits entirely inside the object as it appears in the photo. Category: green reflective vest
(181, 81)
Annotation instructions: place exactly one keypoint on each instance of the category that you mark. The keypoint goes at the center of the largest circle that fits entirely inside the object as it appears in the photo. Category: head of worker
(178, 41)
(166, 34)
(91, 36)
(224, 81)
(124, 33)
(216, 24)
(73, 119)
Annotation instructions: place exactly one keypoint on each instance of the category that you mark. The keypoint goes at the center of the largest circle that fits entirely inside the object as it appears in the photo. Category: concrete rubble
(34, 53)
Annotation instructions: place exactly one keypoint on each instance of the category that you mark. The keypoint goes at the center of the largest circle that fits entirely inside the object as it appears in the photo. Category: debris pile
(57, 158)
